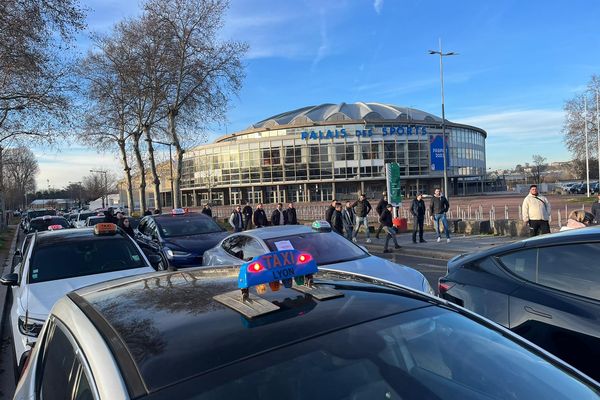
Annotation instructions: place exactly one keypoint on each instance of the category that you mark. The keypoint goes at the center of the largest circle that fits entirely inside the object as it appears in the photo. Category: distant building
(59, 204)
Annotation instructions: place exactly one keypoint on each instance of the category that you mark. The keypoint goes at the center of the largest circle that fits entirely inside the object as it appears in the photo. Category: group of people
(119, 219)
(241, 218)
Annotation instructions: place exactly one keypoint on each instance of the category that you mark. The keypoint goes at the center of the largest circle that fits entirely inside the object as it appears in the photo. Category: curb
(7, 268)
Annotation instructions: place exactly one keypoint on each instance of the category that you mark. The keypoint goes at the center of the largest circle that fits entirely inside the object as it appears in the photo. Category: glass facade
(279, 163)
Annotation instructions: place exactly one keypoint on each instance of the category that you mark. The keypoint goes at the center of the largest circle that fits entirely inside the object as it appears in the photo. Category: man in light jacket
(236, 220)
(536, 212)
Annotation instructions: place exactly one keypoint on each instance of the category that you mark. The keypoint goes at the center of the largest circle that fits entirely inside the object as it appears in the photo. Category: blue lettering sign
(304, 135)
(436, 147)
(400, 130)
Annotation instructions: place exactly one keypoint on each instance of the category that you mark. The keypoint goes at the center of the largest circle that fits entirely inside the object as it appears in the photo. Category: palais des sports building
(328, 151)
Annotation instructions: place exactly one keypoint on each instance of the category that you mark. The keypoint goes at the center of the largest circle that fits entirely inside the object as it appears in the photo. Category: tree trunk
(142, 171)
(179, 152)
(127, 170)
(155, 177)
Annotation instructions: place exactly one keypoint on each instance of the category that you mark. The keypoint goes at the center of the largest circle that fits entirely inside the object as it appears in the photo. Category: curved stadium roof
(346, 112)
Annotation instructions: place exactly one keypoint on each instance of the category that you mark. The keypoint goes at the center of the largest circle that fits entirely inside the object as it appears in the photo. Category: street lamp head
(451, 53)
(433, 52)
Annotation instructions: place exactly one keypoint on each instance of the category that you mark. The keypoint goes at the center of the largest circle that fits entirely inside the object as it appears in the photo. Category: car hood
(197, 243)
(381, 268)
(40, 297)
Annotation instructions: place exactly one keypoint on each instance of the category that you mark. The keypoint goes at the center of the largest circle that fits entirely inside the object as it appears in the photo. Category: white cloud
(324, 44)
(378, 5)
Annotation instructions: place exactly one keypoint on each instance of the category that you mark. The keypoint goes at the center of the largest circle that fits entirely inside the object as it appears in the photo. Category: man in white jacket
(536, 212)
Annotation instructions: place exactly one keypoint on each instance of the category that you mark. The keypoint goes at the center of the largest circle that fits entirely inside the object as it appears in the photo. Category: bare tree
(20, 170)
(539, 166)
(202, 72)
(574, 128)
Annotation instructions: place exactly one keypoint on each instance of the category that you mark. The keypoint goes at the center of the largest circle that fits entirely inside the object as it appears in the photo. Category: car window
(43, 224)
(251, 248)
(571, 268)
(84, 216)
(430, 353)
(326, 248)
(86, 257)
(234, 245)
(522, 263)
(182, 225)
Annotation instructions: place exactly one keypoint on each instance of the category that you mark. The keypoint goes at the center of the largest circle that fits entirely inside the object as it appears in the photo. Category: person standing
(337, 222)
(260, 218)
(126, 226)
(247, 212)
(329, 211)
(386, 220)
(381, 206)
(290, 215)
(278, 216)
(438, 208)
(596, 210)
(236, 220)
(362, 208)
(206, 210)
(417, 209)
(348, 219)
(536, 212)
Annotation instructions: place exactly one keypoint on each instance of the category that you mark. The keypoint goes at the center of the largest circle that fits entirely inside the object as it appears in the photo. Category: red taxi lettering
(288, 258)
(267, 258)
(276, 262)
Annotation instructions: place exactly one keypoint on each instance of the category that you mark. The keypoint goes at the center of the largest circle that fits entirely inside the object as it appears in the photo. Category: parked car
(96, 219)
(41, 224)
(546, 288)
(189, 335)
(330, 250)
(82, 217)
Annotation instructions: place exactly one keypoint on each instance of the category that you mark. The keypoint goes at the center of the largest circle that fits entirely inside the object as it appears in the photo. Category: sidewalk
(459, 244)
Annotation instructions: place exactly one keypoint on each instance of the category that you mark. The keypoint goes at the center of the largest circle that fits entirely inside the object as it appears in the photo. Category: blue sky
(519, 61)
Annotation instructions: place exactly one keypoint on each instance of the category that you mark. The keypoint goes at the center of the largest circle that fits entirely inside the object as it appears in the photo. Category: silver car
(331, 251)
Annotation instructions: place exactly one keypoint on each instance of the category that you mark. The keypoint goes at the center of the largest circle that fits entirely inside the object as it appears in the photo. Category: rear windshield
(86, 257)
(40, 213)
(187, 226)
(84, 216)
(430, 353)
(43, 224)
(95, 220)
(326, 248)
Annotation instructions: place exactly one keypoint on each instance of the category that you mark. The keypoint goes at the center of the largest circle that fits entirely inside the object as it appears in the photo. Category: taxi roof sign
(55, 227)
(321, 226)
(178, 211)
(105, 228)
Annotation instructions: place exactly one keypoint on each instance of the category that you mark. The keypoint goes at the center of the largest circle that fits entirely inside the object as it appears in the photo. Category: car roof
(171, 319)
(49, 238)
(168, 216)
(271, 232)
(45, 217)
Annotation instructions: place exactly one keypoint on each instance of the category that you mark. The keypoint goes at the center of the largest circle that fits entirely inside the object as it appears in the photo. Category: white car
(79, 222)
(331, 251)
(58, 262)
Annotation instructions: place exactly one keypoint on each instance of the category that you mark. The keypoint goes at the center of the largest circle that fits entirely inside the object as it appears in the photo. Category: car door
(232, 251)
(558, 304)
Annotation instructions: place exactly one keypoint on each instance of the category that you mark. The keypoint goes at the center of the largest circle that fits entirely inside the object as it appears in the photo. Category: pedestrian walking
(536, 212)
(438, 208)
(206, 210)
(278, 216)
(236, 219)
(387, 217)
(337, 220)
(290, 215)
(126, 226)
(109, 217)
(381, 206)
(247, 212)
(596, 210)
(417, 209)
(362, 208)
(348, 218)
(147, 212)
(329, 211)
(119, 215)
(259, 218)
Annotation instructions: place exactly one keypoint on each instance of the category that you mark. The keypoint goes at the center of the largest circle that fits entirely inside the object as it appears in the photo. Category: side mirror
(10, 279)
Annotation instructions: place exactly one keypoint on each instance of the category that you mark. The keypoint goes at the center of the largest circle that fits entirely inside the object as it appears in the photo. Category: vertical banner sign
(436, 149)
(392, 177)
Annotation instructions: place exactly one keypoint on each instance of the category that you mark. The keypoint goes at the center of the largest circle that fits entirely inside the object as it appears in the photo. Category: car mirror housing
(10, 279)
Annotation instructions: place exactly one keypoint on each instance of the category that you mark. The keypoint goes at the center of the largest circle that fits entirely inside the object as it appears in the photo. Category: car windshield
(85, 257)
(84, 216)
(187, 226)
(40, 213)
(43, 224)
(429, 353)
(326, 248)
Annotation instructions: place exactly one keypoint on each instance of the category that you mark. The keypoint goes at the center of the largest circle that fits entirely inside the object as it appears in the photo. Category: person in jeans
(348, 218)
(362, 208)
(438, 208)
(381, 206)
(386, 220)
(417, 209)
(236, 220)
(536, 212)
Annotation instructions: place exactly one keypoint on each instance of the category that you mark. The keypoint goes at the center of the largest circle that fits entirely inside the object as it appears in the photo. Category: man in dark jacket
(206, 210)
(417, 209)
(337, 222)
(388, 226)
(290, 215)
(438, 208)
(260, 218)
(362, 208)
(380, 207)
(109, 217)
(329, 211)
(278, 216)
(247, 213)
(348, 218)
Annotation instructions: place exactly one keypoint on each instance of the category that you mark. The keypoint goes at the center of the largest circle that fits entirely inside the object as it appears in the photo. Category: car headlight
(175, 254)
(30, 326)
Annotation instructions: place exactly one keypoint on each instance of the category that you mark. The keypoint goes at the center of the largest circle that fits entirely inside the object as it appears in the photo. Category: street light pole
(442, 55)
(598, 130)
(171, 167)
(587, 156)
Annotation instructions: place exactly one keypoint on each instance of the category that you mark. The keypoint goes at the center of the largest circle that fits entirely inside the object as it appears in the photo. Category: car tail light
(443, 287)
